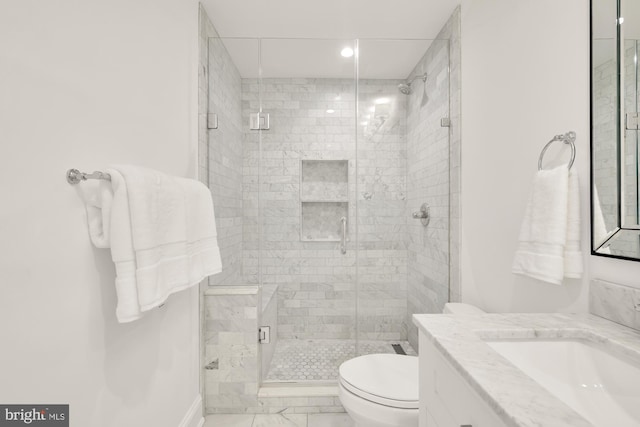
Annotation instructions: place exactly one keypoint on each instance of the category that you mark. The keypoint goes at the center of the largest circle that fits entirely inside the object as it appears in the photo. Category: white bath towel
(98, 199)
(163, 237)
(543, 236)
(572, 250)
(122, 252)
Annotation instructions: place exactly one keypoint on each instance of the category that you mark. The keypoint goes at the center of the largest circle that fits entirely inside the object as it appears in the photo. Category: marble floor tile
(231, 420)
(278, 420)
(330, 420)
(305, 360)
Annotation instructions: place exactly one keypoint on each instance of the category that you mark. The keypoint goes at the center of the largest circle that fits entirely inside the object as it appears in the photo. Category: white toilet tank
(461, 308)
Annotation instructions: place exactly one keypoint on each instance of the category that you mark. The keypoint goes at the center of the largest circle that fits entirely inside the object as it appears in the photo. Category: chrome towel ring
(567, 138)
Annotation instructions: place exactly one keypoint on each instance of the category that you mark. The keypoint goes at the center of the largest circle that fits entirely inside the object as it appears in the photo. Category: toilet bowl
(381, 390)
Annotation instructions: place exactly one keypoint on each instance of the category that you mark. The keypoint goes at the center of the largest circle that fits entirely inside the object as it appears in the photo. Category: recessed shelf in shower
(324, 199)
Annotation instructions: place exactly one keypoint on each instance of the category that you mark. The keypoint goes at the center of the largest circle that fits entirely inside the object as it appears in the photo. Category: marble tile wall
(433, 170)
(618, 303)
(232, 357)
(316, 282)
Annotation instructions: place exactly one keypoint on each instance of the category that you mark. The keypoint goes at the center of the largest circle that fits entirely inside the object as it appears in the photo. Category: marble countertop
(516, 398)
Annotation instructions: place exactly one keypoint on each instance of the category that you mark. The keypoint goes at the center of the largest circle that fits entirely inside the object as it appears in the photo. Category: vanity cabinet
(446, 400)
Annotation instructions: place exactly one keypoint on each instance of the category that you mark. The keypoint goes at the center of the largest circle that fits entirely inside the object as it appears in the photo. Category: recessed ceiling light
(347, 52)
(330, 111)
(382, 101)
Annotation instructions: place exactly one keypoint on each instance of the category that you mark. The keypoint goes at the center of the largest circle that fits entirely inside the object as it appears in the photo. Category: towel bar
(567, 138)
(74, 176)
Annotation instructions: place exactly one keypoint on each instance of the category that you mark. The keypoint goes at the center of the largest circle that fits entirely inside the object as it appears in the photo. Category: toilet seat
(386, 379)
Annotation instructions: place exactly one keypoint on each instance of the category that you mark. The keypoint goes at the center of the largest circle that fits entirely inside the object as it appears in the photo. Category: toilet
(381, 390)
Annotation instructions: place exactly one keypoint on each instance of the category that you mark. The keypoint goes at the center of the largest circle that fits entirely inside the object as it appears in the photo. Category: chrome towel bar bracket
(567, 138)
(74, 176)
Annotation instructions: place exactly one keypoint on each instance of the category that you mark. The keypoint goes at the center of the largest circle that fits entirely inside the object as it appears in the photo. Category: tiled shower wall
(316, 282)
(433, 169)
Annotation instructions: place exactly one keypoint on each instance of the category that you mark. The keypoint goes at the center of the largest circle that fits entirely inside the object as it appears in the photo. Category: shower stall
(319, 155)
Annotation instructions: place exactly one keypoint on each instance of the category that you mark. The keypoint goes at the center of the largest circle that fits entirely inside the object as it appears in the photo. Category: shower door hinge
(259, 121)
(264, 334)
(633, 122)
(445, 122)
(212, 121)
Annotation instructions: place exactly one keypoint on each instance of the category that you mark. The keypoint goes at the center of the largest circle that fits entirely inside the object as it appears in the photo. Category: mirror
(615, 128)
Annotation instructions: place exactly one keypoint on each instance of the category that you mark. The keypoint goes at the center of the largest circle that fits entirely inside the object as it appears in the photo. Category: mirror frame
(620, 231)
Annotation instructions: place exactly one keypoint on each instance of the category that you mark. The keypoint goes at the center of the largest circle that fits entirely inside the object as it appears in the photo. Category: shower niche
(324, 199)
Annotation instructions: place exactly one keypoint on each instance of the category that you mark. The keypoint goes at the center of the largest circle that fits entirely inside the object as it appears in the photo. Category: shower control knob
(422, 214)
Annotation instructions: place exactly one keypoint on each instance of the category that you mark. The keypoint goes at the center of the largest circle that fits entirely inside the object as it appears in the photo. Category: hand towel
(572, 250)
(165, 240)
(98, 200)
(543, 235)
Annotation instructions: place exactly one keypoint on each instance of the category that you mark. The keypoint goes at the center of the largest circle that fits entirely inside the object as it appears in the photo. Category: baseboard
(193, 417)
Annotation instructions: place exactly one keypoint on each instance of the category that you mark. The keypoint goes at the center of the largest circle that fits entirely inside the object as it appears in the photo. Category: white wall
(85, 84)
(525, 78)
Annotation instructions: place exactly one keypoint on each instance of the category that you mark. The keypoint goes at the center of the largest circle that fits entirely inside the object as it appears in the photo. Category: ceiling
(604, 15)
(303, 38)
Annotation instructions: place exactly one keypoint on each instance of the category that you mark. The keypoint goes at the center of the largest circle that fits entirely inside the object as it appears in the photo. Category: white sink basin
(600, 386)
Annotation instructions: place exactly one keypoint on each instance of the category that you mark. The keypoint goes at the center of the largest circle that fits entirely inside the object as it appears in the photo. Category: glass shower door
(306, 92)
(403, 164)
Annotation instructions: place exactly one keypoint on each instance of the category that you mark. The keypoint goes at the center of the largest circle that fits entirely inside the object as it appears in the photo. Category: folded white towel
(98, 200)
(161, 231)
(122, 252)
(572, 250)
(543, 236)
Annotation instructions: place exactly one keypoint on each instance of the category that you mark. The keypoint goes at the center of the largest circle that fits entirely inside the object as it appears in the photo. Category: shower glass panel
(323, 151)
(630, 205)
(307, 194)
(403, 162)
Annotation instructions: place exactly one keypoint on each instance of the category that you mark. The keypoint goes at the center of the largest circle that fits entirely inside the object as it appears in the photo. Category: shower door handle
(343, 241)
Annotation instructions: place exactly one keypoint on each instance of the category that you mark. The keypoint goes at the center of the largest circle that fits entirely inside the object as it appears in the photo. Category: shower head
(405, 88)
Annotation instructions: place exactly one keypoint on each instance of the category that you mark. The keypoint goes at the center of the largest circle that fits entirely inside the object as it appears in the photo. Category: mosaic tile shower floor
(318, 360)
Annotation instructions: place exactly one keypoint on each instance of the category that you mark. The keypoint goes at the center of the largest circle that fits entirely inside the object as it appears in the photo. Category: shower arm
(422, 77)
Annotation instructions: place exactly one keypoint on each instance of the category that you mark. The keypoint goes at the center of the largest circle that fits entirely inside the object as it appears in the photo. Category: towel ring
(567, 138)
